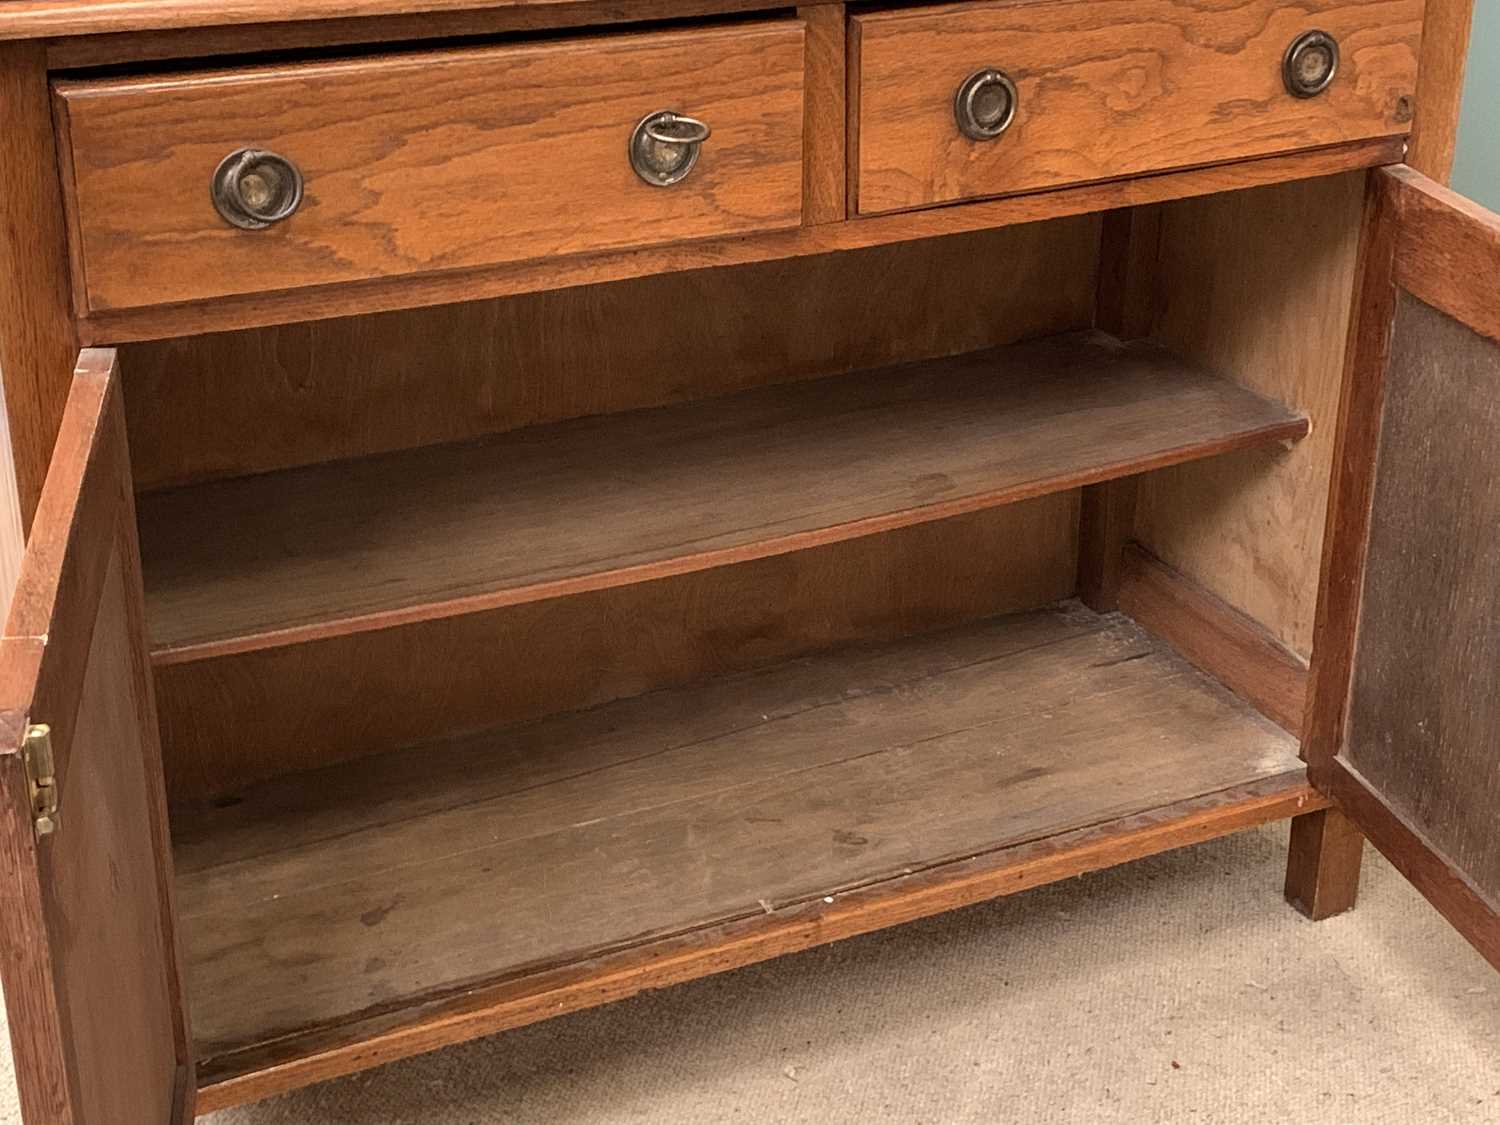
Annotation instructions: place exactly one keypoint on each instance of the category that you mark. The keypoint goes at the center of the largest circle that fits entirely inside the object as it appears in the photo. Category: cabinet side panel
(1440, 86)
(37, 338)
(1258, 286)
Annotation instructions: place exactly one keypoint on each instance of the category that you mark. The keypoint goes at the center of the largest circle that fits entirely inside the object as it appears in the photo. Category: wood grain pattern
(1226, 644)
(12, 538)
(1110, 90)
(1446, 25)
(28, 19)
(867, 766)
(254, 562)
(381, 1039)
(384, 294)
(1323, 862)
(289, 32)
(1423, 708)
(428, 161)
(36, 334)
(237, 403)
(89, 917)
(1257, 286)
(37, 337)
(230, 722)
(1443, 243)
(823, 125)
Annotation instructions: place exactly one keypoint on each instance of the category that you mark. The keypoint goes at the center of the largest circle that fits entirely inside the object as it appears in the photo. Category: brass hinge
(42, 774)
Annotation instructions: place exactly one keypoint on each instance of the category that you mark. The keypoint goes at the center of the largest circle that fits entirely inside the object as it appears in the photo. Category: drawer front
(433, 161)
(1109, 88)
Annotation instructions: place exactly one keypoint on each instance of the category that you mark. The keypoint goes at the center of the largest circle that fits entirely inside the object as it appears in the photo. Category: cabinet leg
(1322, 867)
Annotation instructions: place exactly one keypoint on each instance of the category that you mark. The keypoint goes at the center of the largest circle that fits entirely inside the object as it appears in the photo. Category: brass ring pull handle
(985, 105)
(665, 146)
(1310, 63)
(676, 129)
(253, 188)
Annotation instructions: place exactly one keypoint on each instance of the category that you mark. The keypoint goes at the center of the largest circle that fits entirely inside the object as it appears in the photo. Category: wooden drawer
(1110, 88)
(428, 161)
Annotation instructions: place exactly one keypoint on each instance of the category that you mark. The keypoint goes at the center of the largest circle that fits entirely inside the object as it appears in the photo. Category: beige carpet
(1178, 989)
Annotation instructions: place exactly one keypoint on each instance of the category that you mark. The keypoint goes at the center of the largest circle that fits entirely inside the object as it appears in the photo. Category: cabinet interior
(497, 638)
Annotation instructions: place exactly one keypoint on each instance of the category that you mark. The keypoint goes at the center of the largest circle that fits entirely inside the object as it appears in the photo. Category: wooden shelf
(363, 901)
(294, 556)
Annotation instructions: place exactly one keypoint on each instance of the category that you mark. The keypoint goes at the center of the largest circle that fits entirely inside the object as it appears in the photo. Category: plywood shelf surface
(355, 892)
(288, 557)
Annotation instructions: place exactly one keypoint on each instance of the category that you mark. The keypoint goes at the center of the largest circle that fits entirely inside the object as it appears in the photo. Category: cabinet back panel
(244, 402)
(235, 720)
(1257, 285)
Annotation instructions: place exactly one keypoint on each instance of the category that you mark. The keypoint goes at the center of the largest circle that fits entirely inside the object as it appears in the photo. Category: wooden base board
(1215, 636)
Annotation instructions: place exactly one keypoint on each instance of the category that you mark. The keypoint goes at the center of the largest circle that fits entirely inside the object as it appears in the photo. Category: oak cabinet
(471, 582)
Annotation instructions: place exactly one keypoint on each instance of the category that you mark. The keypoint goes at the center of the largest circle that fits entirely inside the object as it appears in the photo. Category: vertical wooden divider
(1105, 525)
(823, 92)
(1124, 307)
(1322, 874)
(1347, 525)
(851, 117)
(1126, 299)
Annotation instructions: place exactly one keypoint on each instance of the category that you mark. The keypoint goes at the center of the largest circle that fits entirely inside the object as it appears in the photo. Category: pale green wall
(1476, 168)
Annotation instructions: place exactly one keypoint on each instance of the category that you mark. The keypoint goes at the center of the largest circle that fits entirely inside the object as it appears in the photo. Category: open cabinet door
(1404, 726)
(88, 950)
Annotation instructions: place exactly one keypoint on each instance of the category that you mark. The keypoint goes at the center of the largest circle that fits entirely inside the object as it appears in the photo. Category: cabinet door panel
(1406, 730)
(1425, 699)
(87, 930)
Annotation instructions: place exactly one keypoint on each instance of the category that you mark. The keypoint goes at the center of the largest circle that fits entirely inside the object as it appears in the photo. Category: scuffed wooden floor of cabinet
(341, 909)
